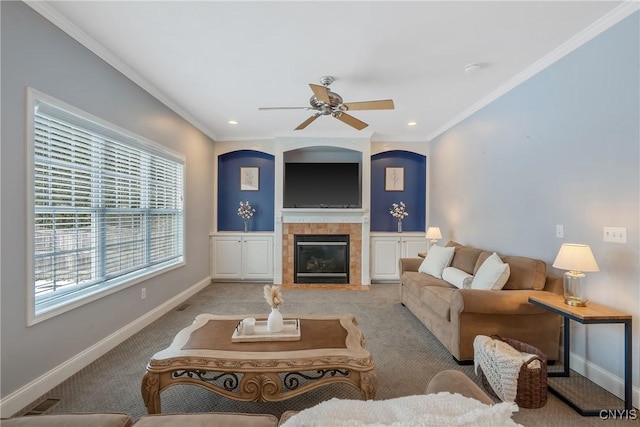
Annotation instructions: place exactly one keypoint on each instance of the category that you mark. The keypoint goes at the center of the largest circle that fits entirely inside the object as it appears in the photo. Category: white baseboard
(605, 379)
(27, 394)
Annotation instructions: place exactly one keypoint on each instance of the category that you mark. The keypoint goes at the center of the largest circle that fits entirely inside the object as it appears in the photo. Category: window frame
(87, 294)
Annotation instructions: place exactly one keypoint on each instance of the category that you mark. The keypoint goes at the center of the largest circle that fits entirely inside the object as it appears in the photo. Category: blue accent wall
(414, 194)
(229, 194)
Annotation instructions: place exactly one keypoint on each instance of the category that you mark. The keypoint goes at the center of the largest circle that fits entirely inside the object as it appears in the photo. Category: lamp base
(575, 302)
(574, 289)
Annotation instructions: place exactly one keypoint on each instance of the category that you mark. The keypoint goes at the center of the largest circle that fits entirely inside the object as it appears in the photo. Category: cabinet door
(257, 257)
(385, 253)
(411, 247)
(226, 257)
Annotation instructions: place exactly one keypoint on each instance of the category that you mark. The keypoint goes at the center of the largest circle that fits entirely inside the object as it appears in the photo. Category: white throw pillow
(492, 274)
(458, 278)
(436, 260)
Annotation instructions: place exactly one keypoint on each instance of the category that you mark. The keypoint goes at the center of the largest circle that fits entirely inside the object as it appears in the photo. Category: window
(107, 207)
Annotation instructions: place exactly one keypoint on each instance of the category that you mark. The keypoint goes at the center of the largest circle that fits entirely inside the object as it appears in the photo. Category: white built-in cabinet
(241, 256)
(388, 248)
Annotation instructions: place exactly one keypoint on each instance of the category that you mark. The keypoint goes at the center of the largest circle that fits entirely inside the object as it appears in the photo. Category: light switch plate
(615, 234)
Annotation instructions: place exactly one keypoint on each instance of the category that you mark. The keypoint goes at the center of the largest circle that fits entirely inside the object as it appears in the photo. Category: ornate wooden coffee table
(331, 350)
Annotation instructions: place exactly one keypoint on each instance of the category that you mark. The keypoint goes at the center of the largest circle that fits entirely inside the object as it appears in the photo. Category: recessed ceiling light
(412, 123)
(232, 122)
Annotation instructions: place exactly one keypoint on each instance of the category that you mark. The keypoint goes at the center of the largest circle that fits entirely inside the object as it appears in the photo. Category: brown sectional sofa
(456, 316)
(445, 381)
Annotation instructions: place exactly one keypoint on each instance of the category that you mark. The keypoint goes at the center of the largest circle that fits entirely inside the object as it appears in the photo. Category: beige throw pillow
(436, 260)
(492, 274)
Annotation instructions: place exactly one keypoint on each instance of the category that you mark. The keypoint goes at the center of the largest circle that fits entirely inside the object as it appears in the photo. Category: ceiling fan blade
(284, 108)
(383, 104)
(351, 121)
(307, 122)
(321, 92)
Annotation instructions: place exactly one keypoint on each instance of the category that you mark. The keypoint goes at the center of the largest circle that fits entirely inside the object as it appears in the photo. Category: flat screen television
(322, 185)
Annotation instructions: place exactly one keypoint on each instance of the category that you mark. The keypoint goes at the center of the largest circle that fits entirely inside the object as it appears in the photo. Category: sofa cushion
(415, 282)
(438, 299)
(70, 420)
(437, 259)
(207, 419)
(464, 257)
(492, 274)
(525, 273)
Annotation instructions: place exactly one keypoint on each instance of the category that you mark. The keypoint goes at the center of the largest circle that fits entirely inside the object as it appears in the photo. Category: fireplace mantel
(323, 215)
(354, 222)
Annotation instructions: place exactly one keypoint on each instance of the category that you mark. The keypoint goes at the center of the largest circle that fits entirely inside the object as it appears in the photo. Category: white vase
(275, 323)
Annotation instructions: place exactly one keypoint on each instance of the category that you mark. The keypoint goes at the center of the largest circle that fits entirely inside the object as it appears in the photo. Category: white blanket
(500, 364)
(437, 410)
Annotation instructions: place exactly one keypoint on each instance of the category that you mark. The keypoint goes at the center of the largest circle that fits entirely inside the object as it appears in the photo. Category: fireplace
(321, 258)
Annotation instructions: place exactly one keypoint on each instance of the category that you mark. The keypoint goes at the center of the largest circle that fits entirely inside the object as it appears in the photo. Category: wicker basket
(532, 382)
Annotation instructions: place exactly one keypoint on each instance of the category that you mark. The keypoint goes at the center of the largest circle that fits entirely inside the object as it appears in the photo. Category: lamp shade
(433, 233)
(575, 257)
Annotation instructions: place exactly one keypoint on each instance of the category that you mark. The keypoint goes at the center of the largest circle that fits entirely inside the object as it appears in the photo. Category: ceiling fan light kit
(325, 102)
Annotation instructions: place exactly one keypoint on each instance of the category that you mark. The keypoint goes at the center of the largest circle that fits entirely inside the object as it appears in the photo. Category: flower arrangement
(399, 210)
(273, 296)
(245, 211)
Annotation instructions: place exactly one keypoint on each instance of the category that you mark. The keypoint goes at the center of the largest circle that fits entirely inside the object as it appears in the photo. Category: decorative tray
(291, 332)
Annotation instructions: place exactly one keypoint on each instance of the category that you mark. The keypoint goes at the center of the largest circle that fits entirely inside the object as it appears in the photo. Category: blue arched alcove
(230, 195)
(414, 194)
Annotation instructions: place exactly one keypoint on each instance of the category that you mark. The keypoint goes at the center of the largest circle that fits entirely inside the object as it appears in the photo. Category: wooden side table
(591, 314)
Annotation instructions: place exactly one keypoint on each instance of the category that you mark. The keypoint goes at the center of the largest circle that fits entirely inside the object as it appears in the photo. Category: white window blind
(107, 207)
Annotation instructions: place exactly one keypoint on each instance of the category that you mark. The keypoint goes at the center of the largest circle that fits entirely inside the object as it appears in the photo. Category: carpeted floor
(405, 352)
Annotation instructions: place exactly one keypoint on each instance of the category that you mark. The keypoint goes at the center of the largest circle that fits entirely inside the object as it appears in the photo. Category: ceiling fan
(325, 102)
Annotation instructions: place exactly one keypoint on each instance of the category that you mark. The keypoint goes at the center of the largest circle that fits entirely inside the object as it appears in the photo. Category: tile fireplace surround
(353, 222)
(355, 246)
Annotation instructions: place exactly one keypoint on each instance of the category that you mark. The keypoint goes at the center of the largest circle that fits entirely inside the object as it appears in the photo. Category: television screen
(322, 185)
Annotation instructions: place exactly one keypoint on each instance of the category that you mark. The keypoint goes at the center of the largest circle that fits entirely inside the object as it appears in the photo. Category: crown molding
(57, 19)
(596, 28)
(607, 21)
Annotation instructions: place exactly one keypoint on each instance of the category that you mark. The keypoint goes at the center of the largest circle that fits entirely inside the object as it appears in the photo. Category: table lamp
(576, 259)
(433, 234)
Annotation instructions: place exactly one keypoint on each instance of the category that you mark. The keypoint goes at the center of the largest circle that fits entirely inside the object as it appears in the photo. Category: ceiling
(215, 61)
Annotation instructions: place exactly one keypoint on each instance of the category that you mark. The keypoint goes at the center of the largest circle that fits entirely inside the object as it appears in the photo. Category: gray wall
(36, 53)
(561, 148)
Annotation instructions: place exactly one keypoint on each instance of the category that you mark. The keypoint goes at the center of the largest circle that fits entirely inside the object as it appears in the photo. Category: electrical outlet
(143, 293)
(559, 231)
(615, 234)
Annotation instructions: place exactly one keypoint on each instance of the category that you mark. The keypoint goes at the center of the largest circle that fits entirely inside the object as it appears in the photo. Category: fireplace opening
(321, 258)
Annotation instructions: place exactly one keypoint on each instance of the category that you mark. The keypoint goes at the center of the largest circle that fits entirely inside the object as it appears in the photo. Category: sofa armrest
(457, 382)
(409, 264)
(495, 302)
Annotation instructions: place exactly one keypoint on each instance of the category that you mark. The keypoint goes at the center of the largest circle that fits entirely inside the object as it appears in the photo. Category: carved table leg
(368, 384)
(151, 392)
